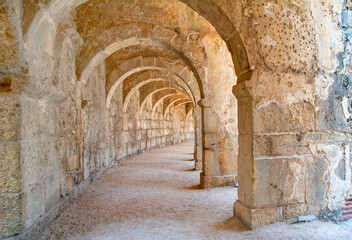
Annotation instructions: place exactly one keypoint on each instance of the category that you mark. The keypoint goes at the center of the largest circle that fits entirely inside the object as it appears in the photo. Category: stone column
(218, 162)
(198, 153)
(286, 169)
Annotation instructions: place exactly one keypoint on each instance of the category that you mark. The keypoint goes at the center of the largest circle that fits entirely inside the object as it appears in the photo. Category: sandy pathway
(156, 196)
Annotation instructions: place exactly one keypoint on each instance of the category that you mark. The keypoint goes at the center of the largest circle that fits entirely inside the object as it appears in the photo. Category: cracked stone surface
(156, 195)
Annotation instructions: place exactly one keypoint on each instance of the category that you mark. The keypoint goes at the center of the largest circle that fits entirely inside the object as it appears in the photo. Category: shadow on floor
(189, 160)
(189, 170)
(195, 187)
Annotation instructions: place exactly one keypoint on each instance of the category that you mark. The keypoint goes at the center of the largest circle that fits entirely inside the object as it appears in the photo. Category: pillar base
(198, 166)
(217, 181)
(258, 217)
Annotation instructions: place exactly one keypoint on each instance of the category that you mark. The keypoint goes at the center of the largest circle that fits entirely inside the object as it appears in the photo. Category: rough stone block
(293, 211)
(217, 181)
(257, 217)
(210, 161)
(33, 204)
(211, 121)
(227, 162)
(52, 190)
(211, 140)
(40, 123)
(279, 145)
(9, 118)
(279, 181)
(328, 174)
(38, 154)
(125, 137)
(10, 215)
(9, 168)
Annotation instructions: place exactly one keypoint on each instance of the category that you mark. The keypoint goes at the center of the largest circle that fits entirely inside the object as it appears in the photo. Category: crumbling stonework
(261, 87)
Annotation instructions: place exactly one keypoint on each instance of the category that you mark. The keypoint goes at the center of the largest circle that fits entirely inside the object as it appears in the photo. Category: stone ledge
(217, 181)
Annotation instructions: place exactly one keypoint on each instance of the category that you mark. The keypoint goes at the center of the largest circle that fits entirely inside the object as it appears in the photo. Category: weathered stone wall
(57, 135)
(73, 102)
(11, 80)
(89, 137)
(301, 140)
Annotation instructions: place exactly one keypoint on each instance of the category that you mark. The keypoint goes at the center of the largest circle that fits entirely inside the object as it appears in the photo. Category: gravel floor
(156, 195)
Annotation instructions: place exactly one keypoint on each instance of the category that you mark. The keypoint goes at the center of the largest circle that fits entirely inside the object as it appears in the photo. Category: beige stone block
(279, 181)
(125, 137)
(226, 162)
(211, 140)
(245, 146)
(9, 48)
(9, 118)
(317, 172)
(293, 211)
(211, 164)
(38, 122)
(52, 190)
(138, 135)
(10, 216)
(211, 121)
(10, 168)
(227, 141)
(216, 181)
(33, 204)
(42, 155)
(257, 217)
(276, 145)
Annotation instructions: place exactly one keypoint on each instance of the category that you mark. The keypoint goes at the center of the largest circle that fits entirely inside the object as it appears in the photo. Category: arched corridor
(156, 195)
(262, 91)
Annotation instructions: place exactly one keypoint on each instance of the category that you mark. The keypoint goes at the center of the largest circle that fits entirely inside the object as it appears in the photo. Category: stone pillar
(283, 173)
(218, 162)
(244, 205)
(272, 164)
(198, 153)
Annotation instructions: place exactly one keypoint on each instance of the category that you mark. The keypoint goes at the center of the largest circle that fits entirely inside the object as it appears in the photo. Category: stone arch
(116, 46)
(135, 88)
(212, 12)
(64, 6)
(159, 101)
(152, 93)
(129, 73)
(57, 9)
(184, 101)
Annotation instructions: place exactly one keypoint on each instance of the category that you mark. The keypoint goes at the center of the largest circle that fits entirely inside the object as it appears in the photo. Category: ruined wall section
(63, 135)
(301, 137)
(11, 80)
